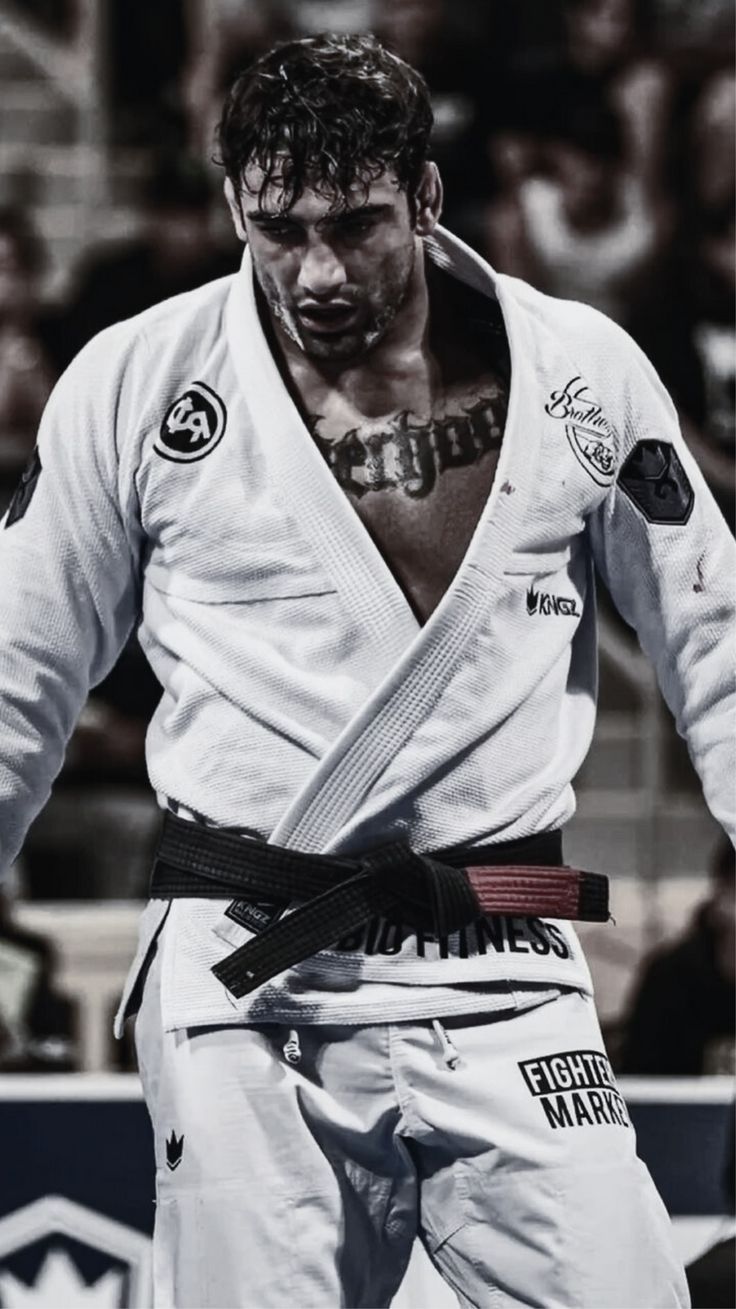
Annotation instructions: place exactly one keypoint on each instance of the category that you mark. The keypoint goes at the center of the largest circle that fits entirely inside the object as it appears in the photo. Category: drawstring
(292, 1049)
(449, 1053)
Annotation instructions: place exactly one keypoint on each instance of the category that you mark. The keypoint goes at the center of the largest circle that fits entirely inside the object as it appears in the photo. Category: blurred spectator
(588, 227)
(25, 370)
(687, 324)
(309, 17)
(693, 36)
(173, 253)
(711, 141)
(579, 51)
(224, 37)
(466, 82)
(581, 208)
(608, 43)
(36, 1020)
(682, 1018)
(711, 1278)
(147, 46)
(607, 53)
(58, 16)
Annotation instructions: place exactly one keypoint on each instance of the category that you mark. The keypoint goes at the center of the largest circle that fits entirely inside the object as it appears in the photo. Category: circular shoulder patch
(192, 426)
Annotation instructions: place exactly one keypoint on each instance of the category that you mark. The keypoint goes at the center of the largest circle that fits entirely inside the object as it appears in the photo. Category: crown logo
(60, 1283)
(532, 600)
(174, 1149)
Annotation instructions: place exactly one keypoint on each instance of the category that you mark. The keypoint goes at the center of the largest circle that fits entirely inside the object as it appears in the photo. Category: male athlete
(352, 498)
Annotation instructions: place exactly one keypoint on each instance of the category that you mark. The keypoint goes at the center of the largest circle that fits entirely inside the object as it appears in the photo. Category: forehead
(316, 201)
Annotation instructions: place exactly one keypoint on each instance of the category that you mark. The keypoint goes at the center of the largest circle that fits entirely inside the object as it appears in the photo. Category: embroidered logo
(592, 453)
(255, 915)
(174, 1151)
(575, 1088)
(540, 602)
(586, 429)
(192, 426)
(23, 493)
(656, 483)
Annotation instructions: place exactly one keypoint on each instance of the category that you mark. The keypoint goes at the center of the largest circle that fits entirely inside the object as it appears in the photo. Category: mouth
(328, 320)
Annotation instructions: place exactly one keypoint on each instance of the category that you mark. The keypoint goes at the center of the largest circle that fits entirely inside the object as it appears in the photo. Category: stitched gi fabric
(297, 1167)
(180, 492)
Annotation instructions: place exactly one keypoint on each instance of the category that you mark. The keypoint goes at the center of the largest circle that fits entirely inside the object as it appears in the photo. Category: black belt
(438, 892)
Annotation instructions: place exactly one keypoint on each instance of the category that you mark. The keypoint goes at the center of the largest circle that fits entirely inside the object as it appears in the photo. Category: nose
(321, 273)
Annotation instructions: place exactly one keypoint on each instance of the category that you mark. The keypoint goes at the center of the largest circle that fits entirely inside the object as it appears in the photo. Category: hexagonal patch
(56, 1253)
(656, 483)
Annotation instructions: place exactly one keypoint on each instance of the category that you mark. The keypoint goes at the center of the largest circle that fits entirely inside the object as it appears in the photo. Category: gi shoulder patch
(656, 483)
(192, 426)
(23, 493)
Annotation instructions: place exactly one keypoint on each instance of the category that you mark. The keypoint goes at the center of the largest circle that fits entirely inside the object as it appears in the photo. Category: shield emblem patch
(656, 483)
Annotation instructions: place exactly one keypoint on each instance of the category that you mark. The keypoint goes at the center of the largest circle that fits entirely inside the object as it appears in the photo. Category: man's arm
(668, 559)
(68, 580)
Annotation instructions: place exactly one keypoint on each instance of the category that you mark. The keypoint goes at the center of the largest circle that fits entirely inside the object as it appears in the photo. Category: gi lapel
(414, 664)
(304, 483)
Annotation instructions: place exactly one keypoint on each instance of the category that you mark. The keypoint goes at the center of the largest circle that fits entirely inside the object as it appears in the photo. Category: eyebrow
(342, 215)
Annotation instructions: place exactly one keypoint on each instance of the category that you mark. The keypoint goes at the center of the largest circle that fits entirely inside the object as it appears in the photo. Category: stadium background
(586, 145)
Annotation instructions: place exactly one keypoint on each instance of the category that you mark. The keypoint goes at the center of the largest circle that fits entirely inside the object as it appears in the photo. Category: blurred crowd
(585, 145)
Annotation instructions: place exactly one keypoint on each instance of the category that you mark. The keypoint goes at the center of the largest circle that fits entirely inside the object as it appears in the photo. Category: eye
(357, 226)
(283, 233)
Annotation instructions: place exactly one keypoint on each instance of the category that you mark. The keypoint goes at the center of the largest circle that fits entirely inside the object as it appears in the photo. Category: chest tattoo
(409, 453)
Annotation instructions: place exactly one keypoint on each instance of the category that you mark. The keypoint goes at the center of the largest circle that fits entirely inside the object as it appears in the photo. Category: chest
(418, 482)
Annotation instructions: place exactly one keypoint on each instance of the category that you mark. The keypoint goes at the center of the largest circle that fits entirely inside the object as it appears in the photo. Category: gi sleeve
(69, 547)
(668, 559)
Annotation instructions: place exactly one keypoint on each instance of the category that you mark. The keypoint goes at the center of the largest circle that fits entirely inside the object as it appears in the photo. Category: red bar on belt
(527, 891)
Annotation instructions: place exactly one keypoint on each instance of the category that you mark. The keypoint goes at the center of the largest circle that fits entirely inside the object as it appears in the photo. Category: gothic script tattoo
(410, 453)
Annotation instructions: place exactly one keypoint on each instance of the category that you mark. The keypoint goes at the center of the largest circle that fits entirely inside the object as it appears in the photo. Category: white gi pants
(296, 1168)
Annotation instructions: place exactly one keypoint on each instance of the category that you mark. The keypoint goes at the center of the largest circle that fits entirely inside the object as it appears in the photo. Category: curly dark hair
(327, 111)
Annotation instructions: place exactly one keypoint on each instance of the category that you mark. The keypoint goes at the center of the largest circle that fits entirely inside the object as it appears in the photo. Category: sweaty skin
(400, 373)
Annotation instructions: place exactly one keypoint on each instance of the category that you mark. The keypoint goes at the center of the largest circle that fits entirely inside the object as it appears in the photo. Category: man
(357, 491)
(682, 1016)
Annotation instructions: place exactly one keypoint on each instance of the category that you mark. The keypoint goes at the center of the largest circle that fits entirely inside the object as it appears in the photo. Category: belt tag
(255, 915)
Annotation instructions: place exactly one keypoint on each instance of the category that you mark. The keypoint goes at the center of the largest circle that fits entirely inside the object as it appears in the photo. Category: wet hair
(329, 112)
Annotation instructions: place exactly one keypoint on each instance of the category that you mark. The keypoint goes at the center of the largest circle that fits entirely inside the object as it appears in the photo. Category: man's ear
(236, 213)
(428, 200)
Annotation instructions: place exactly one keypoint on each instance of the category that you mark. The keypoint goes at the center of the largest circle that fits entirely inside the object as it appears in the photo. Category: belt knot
(425, 892)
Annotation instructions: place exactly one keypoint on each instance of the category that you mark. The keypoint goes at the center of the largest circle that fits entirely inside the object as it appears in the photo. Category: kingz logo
(540, 602)
(575, 1088)
(174, 1151)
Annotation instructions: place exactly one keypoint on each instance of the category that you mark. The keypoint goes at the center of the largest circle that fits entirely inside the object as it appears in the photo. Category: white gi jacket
(180, 490)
